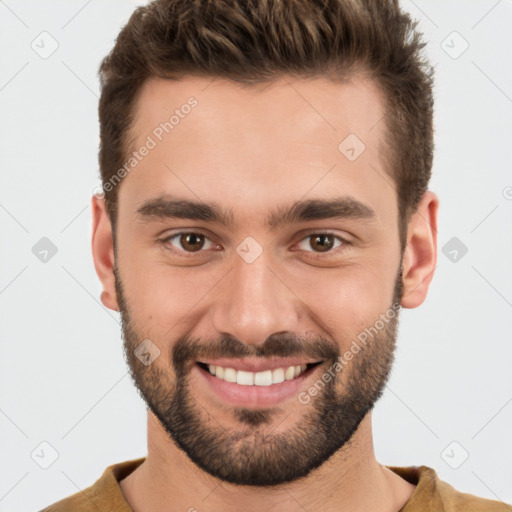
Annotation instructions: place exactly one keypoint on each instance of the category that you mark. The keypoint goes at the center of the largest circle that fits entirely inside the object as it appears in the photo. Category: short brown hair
(258, 41)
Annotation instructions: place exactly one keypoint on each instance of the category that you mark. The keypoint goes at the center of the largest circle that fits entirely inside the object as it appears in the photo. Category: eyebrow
(167, 207)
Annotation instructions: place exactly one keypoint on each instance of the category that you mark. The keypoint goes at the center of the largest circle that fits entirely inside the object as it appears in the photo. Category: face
(289, 257)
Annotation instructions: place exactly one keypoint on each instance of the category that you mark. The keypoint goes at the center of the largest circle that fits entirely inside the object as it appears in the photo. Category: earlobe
(420, 254)
(103, 252)
(108, 301)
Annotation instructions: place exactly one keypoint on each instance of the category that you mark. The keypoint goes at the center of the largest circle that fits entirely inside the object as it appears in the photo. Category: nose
(255, 301)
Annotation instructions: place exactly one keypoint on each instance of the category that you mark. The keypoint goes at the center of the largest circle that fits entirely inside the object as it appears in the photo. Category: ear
(420, 255)
(103, 251)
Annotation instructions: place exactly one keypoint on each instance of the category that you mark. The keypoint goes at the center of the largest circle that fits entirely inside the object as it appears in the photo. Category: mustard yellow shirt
(430, 495)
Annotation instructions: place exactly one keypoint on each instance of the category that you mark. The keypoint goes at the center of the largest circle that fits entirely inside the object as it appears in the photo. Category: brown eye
(188, 242)
(322, 243)
(192, 241)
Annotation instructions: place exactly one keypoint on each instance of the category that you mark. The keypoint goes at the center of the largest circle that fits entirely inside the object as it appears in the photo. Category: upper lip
(252, 364)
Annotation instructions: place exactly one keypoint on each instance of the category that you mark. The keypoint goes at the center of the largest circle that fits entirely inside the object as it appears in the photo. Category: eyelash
(344, 245)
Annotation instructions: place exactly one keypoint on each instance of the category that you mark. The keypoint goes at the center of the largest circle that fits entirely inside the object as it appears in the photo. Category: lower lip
(253, 396)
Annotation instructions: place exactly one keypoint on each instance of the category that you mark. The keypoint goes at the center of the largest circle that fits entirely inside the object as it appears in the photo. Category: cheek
(167, 294)
(342, 300)
(347, 300)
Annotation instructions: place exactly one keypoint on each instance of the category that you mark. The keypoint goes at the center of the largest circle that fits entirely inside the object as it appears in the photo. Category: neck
(351, 480)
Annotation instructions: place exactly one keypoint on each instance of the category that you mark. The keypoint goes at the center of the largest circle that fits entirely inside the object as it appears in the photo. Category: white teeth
(265, 378)
(229, 374)
(277, 375)
(289, 374)
(245, 378)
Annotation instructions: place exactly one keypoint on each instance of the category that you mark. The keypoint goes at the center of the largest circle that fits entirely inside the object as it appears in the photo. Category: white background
(63, 377)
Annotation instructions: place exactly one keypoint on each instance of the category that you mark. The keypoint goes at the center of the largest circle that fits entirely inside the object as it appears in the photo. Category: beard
(252, 454)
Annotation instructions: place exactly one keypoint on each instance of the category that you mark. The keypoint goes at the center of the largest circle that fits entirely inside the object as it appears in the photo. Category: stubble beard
(252, 452)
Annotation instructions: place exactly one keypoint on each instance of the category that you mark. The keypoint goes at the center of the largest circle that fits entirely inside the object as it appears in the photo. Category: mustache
(188, 350)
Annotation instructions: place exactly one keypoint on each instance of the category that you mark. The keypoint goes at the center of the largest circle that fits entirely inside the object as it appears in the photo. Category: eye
(194, 243)
(322, 242)
(188, 241)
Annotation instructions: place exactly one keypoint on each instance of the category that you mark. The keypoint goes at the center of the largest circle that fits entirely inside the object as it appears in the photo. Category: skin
(249, 150)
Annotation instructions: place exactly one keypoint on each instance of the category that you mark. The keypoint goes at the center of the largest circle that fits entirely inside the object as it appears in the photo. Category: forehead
(299, 106)
(252, 147)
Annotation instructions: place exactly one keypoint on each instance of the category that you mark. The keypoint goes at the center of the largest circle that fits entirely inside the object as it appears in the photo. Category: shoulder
(104, 494)
(456, 500)
(432, 493)
(74, 503)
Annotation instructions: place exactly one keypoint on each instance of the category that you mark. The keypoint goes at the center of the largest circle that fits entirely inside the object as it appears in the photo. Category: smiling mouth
(262, 378)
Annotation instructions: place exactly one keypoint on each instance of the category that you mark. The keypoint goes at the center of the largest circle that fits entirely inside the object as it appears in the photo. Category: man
(266, 214)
